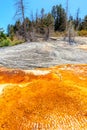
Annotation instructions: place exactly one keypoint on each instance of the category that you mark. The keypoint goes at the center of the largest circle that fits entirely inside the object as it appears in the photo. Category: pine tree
(59, 14)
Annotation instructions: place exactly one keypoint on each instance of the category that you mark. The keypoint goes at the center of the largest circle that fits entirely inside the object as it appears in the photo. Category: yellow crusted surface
(56, 100)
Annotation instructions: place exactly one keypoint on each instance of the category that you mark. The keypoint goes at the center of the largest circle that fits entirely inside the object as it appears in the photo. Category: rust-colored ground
(56, 100)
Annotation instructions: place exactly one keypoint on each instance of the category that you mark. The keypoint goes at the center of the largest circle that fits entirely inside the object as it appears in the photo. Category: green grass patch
(16, 42)
(5, 42)
(9, 42)
(82, 33)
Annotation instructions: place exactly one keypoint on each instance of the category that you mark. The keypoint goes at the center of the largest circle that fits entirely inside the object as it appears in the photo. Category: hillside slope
(42, 54)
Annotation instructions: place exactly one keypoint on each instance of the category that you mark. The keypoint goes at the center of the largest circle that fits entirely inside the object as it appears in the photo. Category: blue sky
(7, 8)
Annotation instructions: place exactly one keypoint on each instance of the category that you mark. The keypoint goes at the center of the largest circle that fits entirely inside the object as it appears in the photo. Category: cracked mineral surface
(43, 54)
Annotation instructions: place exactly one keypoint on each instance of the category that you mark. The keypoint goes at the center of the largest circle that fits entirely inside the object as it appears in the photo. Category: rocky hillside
(43, 54)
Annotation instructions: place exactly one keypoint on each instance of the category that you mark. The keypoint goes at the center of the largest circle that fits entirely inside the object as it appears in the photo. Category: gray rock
(41, 54)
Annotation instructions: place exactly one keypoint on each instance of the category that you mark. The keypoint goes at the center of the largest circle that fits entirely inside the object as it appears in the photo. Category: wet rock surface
(42, 54)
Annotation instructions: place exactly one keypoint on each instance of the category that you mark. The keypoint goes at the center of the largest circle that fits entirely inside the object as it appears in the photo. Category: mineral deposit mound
(44, 99)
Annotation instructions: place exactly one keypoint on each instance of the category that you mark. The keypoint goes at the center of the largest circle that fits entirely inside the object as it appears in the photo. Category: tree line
(42, 24)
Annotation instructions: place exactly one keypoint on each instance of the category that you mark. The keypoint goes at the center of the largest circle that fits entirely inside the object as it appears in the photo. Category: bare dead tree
(66, 30)
(20, 13)
(66, 15)
(32, 32)
(77, 19)
(70, 34)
